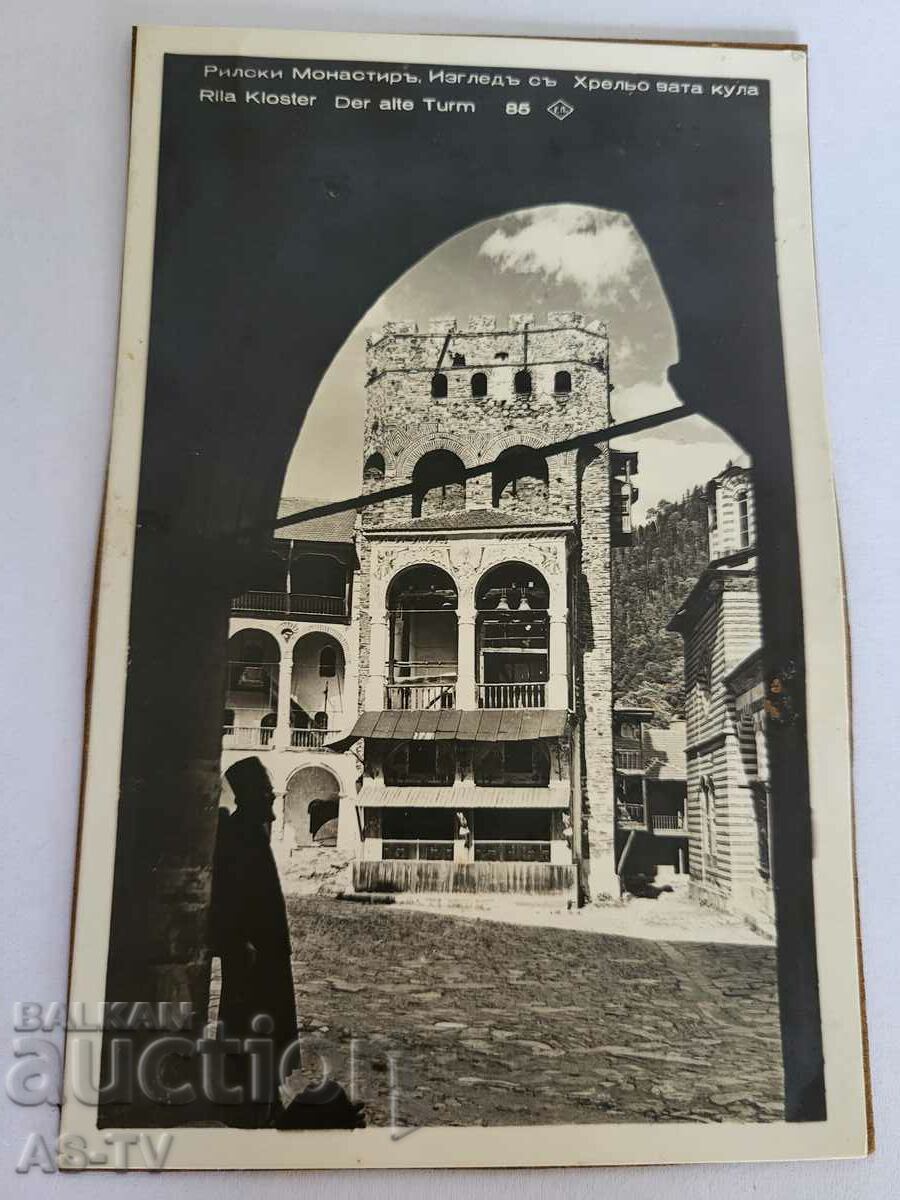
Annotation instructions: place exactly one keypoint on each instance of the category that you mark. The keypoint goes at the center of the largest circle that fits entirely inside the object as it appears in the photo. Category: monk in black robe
(250, 930)
(251, 936)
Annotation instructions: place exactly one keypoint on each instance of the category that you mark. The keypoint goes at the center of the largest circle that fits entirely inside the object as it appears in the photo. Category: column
(558, 687)
(348, 836)
(283, 723)
(170, 789)
(465, 658)
(280, 848)
(377, 657)
(462, 845)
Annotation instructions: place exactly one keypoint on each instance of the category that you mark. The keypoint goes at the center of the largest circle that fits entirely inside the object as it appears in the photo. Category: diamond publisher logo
(561, 109)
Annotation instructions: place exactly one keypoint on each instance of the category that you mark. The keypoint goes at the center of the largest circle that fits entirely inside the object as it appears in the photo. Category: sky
(555, 258)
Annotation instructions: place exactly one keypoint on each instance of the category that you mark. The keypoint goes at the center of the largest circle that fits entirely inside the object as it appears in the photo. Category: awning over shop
(463, 795)
(481, 725)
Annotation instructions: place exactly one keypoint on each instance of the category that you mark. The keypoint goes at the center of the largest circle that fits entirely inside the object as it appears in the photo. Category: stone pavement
(672, 917)
(494, 1024)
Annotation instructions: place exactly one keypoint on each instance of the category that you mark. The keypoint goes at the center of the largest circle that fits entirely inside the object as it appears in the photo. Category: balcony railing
(629, 760)
(668, 823)
(255, 737)
(417, 848)
(512, 695)
(308, 739)
(246, 737)
(419, 695)
(631, 814)
(289, 604)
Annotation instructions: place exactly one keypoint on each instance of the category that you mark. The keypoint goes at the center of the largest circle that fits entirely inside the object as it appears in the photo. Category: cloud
(596, 250)
(675, 458)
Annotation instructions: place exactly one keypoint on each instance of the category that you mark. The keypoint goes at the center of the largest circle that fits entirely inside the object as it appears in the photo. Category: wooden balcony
(512, 695)
(631, 816)
(289, 604)
(256, 737)
(247, 737)
(668, 824)
(309, 739)
(416, 696)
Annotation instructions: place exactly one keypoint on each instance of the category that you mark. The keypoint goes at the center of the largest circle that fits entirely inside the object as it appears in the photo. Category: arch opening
(374, 468)
(422, 667)
(251, 698)
(317, 690)
(512, 637)
(439, 484)
(521, 481)
(312, 802)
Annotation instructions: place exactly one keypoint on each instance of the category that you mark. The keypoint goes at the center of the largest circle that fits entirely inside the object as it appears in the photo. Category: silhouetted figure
(250, 935)
(250, 930)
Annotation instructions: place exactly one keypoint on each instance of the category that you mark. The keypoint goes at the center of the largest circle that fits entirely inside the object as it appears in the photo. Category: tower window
(523, 383)
(373, 471)
(479, 384)
(562, 382)
(743, 519)
(439, 385)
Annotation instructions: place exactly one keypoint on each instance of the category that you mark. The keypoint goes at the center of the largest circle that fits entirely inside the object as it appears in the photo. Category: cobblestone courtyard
(508, 1024)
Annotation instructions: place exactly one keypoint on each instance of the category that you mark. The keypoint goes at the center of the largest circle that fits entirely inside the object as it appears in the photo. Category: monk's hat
(249, 780)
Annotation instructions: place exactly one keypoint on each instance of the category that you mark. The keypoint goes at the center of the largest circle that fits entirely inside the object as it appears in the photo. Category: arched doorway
(311, 805)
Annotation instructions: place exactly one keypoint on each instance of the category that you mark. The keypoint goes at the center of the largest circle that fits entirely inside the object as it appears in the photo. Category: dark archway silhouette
(439, 484)
(520, 480)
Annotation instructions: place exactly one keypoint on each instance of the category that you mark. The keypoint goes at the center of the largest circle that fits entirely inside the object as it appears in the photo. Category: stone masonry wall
(404, 421)
(593, 645)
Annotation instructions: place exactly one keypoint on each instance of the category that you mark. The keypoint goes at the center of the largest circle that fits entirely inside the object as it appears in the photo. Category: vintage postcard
(468, 754)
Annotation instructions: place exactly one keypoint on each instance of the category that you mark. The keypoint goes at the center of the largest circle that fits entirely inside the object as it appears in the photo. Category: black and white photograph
(470, 663)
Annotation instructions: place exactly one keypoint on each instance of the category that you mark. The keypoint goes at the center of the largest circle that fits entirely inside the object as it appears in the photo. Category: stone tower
(519, 551)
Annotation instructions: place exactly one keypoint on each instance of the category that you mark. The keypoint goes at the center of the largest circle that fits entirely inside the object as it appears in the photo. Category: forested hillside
(650, 578)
